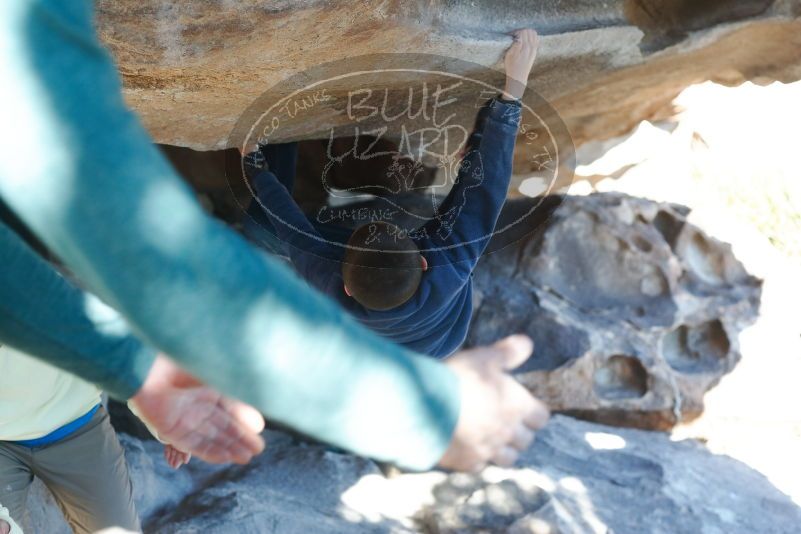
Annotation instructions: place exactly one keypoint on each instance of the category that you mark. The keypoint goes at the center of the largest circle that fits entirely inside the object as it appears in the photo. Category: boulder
(191, 69)
(578, 478)
(634, 311)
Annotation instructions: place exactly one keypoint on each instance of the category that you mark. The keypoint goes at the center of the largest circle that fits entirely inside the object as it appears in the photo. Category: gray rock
(630, 481)
(578, 478)
(634, 311)
(291, 488)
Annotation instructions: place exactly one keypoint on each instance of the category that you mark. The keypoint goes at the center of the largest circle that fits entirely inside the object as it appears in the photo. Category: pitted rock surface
(634, 311)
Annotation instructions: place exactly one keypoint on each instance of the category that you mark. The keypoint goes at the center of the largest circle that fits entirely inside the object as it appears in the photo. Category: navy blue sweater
(435, 320)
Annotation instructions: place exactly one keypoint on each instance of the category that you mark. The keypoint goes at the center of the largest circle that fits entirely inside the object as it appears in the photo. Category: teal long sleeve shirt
(80, 171)
(42, 313)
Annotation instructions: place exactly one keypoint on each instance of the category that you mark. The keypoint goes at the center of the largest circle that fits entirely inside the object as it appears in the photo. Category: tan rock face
(191, 68)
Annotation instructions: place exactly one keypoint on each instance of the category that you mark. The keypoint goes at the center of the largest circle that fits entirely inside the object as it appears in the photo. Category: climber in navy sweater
(413, 287)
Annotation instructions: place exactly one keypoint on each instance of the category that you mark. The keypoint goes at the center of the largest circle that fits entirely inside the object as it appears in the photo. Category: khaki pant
(86, 473)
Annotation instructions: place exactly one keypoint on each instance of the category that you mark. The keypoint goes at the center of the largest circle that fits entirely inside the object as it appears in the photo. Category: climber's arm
(312, 256)
(468, 215)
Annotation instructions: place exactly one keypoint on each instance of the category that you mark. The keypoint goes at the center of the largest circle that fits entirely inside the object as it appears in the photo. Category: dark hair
(381, 267)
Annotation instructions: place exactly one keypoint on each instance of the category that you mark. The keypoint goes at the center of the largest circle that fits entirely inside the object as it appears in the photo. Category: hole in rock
(621, 377)
(669, 226)
(696, 349)
(703, 259)
(642, 243)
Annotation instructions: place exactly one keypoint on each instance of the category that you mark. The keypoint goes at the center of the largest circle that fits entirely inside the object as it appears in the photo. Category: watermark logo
(419, 142)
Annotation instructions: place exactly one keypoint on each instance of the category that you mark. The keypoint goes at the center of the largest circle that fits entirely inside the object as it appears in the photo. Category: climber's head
(382, 267)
